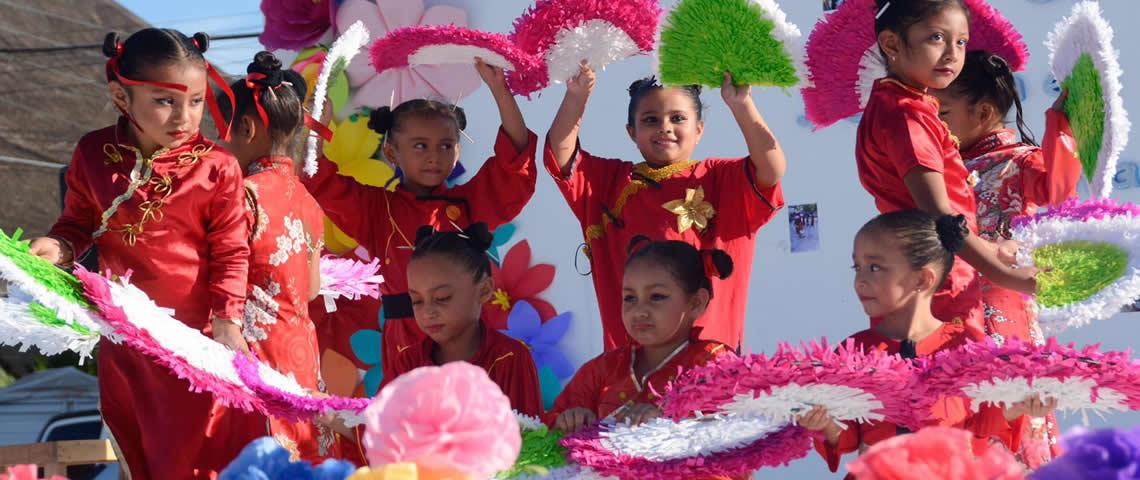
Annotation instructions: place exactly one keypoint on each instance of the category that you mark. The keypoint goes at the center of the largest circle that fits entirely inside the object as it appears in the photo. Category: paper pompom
(935, 453)
(265, 459)
(452, 416)
(1090, 455)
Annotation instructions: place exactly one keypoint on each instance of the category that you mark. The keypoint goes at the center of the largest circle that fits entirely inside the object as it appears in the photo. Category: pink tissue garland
(949, 371)
(351, 278)
(780, 448)
(1074, 209)
(537, 28)
(395, 49)
(839, 40)
(288, 406)
(888, 378)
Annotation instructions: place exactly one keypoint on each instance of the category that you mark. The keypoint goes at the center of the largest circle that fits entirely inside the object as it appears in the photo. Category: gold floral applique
(112, 153)
(692, 210)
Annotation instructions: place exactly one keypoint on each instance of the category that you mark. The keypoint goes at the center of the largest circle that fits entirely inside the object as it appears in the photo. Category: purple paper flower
(1109, 453)
(295, 24)
(525, 325)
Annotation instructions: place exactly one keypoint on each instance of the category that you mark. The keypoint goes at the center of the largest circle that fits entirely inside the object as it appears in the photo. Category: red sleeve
(583, 390)
(1050, 176)
(504, 184)
(77, 222)
(746, 206)
(518, 378)
(848, 442)
(347, 203)
(227, 234)
(589, 177)
(915, 139)
(990, 424)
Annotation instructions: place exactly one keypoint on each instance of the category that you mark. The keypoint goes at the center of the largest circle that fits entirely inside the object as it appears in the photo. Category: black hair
(385, 120)
(923, 238)
(150, 47)
(638, 89)
(683, 261)
(899, 15)
(283, 106)
(467, 248)
(988, 77)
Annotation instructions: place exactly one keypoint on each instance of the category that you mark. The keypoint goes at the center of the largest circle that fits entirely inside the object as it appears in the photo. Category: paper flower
(408, 471)
(690, 448)
(565, 32)
(540, 451)
(1108, 453)
(692, 210)
(752, 39)
(451, 416)
(345, 277)
(550, 385)
(25, 472)
(265, 459)
(366, 345)
(371, 89)
(295, 24)
(843, 58)
(934, 453)
(524, 325)
(1081, 55)
(515, 281)
(342, 51)
(500, 237)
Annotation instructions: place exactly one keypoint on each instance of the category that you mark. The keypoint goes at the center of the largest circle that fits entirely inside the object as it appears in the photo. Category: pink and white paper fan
(843, 58)
(564, 32)
(854, 385)
(449, 44)
(349, 278)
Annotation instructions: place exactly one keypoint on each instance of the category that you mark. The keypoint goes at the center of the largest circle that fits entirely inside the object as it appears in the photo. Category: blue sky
(215, 17)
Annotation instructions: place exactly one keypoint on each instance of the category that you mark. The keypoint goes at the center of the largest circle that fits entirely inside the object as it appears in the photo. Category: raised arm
(765, 152)
(563, 135)
(510, 115)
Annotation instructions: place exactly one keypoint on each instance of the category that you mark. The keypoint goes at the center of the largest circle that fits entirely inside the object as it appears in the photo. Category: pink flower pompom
(451, 416)
(935, 453)
(25, 472)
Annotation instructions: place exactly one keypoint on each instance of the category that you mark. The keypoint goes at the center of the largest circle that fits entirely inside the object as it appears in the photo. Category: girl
(422, 138)
(666, 290)
(286, 227)
(716, 203)
(1016, 177)
(162, 202)
(906, 156)
(900, 261)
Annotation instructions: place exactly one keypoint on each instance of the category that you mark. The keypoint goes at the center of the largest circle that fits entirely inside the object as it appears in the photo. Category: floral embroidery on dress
(260, 310)
(290, 243)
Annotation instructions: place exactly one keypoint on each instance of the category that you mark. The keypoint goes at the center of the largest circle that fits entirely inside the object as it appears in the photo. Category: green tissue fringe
(1085, 109)
(50, 318)
(705, 38)
(1074, 271)
(541, 451)
(49, 276)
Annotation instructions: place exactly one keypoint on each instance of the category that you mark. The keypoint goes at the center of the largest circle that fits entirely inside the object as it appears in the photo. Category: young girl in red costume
(907, 157)
(900, 260)
(666, 289)
(165, 204)
(422, 138)
(715, 203)
(285, 231)
(1015, 178)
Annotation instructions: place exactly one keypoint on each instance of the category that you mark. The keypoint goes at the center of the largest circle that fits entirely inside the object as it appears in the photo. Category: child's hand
(735, 95)
(493, 76)
(1007, 252)
(582, 83)
(1032, 406)
(639, 413)
(229, 334)
(1059, 103)
(575, 419)
(52, 250)
(819, 420)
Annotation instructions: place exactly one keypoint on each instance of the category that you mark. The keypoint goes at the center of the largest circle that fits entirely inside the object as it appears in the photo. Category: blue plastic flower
(366, 345)
(1109, 453)
(525, 325)
(265, 459)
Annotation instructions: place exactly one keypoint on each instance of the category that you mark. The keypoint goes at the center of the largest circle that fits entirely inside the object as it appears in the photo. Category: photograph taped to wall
(803, 227)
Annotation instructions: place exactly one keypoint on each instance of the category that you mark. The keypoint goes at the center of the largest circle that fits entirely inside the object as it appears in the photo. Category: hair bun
(423, 233)
(952, 232)
(460, 117)
(641, 84)
(722, 261)
(264, 62)
(111, 44)
(479, 236)
(380, 120)
(297, 81)
(634, 242)
(202, 41)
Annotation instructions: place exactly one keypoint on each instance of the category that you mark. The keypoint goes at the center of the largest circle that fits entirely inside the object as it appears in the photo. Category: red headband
(310, 122)
(710, 266)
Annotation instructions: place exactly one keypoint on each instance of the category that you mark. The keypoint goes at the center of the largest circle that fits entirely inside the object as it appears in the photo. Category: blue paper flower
(1108, 453)
(366, 345)
(265, 459)
(501, 236)
(525, 325)
(550, 387)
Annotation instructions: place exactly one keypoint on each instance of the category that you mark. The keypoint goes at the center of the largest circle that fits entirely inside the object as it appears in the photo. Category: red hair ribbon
(710, 266)
(310, 122)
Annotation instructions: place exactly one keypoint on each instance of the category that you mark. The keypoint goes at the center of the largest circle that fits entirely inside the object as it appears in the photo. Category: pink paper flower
(934, 453)
(25, 472)
(295, 24)
(452, 416)
(442, 82)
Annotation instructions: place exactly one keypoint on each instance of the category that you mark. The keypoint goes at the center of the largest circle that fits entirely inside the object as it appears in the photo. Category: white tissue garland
(343, 49)
(871, 68)
(785, 402)
(455, 53)
(661, 439)
(1072, 394)
(24, 330)
(597, 41)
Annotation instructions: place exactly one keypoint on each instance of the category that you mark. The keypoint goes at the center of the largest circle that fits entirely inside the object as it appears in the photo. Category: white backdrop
(793, 296)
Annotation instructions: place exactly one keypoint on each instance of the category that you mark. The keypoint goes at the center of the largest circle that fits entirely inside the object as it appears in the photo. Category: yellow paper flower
(336, 240)
(407, 471)
(692, 210)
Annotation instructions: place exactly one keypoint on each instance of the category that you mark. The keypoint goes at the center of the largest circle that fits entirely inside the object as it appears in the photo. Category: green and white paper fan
(752, 39)
(1083, 60)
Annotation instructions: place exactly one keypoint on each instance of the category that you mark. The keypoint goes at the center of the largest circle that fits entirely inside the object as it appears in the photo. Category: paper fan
(1081, 380)
(449, 44)
(1083, 60)
(843, 59)
(1091, 253)
(752, 39)
(706, 446)
(45, 307)
(541, 451)
(348, 278)
(343, 49)
(602, 32)
(854, 385)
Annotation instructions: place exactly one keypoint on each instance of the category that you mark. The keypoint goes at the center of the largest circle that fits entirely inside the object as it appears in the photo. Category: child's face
(666, 128)
(167, 117)
(934, 51)
(884, 280)
(446, 299)
(655, 309)
(426, 148)
(966, 121)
